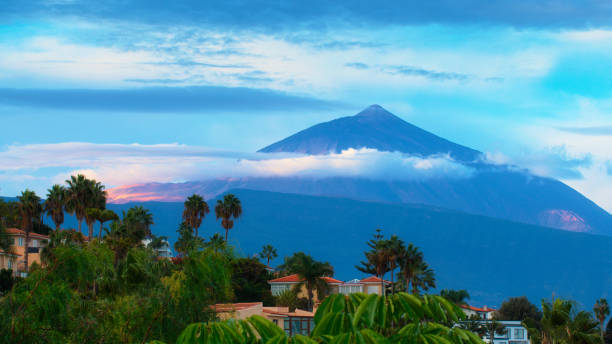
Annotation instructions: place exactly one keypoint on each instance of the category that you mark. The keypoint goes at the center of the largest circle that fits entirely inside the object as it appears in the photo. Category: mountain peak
(374, 110)
(374, 127)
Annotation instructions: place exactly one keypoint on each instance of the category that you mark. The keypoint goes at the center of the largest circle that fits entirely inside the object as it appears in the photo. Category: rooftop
(476, 309)
(296, 279)
(16, 231)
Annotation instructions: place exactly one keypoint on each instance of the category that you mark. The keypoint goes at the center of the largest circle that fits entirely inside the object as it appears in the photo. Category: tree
(140, 219)
(30, 210)
(395, 248)
(608, 335)
(415, 271)
(601, 310)
(157, 242)
(562, 323)
(518, 308)
(216, 243)
(77, 194)
(186, 241)
(54, 204)
(310, 273)
(457, 297)
(268, 252)
(96, 200)
(377, 258)
(195, 211)
(250, 281)
(228, 210)
(105, 216)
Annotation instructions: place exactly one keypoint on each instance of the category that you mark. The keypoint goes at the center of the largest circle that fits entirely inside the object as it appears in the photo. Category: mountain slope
(504, 192)
(375, 128)
(493, 259)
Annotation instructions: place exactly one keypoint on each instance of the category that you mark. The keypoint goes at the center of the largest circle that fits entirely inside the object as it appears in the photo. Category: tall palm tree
(228, 210)
(139, 219)
(77, 194)
(601, 310)
(195, 210)
(409, 263)
(30, 209)
(395, 248)
(54, 204)
(310, 273)
(268, 252)
(96, 199)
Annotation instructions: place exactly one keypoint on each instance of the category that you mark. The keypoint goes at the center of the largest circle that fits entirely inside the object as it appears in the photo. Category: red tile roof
(476, 309)
(296, 313)
(373, 279)
(296, 279)
(15, 231)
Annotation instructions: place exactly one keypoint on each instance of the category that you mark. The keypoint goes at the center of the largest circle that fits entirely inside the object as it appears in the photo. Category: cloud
(430, 74)
(321, 15)
(162, 99)
(410, 71)
(553, 163)
(120, 164)
(604, 130)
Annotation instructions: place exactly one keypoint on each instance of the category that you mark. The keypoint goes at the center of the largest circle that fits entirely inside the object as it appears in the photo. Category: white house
(164, 251)
(484, 313)
(514, 333)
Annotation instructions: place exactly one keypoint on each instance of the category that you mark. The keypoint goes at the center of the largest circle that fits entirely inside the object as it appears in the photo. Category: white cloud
(119, 164)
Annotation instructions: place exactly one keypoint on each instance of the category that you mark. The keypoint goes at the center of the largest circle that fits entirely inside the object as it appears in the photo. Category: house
(513, 333)
(296, 322)
(8, 260)
(370, 285)
(17, 237)
(483, 313)
(164, 251)
(279, 285)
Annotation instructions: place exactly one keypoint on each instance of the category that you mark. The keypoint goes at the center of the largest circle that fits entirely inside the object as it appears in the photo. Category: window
(20, 241)
(372, 289)
(10, 263)
(275, 321)
(278, 289)
(349, 289)
(34, 243)
(519, 333)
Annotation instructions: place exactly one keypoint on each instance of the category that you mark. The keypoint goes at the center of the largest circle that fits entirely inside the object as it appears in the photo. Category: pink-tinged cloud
(564, 219)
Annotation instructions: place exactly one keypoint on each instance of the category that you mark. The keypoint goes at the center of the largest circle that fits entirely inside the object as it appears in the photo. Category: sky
(150, 90)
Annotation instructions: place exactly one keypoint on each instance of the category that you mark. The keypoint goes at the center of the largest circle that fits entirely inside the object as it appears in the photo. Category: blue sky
(525, 82)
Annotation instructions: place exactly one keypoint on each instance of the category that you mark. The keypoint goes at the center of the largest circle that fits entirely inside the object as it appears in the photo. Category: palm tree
(562, 324)
(227, 209)
(76, 197)
(409, 261)
(54, 204)
(601, 310)
(424, 278)
(216, 242)
(310, 273)
(195, 211)
(29, 208)
(268, 252)
(395, 248)
(96, 200)
(105, 216)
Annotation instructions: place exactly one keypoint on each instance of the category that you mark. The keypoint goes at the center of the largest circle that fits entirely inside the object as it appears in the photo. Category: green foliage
(268, 253)
(518, 308)
(250, 281)
(228, 210)
(608, 334)
(458, 297)
(195, 211)
(7, 280)
(563, 323)
(187, 241)
(310, 272)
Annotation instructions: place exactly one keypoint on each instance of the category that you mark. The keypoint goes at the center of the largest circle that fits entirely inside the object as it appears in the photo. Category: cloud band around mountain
(118, 164)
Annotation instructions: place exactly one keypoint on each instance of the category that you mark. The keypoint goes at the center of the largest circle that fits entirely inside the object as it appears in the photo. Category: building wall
(18, 247)
(7, 261)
